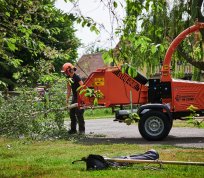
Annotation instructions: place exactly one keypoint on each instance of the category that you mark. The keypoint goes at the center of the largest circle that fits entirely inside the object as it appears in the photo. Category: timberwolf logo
(127, 79)
(185, 98)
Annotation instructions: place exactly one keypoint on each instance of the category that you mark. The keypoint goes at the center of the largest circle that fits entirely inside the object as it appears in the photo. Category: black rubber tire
(154, 125)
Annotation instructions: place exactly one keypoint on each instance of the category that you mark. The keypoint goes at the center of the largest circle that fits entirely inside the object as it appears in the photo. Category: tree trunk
(197, 64)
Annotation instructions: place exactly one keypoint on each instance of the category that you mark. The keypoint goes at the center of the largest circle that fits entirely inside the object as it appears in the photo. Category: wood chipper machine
(160, 100)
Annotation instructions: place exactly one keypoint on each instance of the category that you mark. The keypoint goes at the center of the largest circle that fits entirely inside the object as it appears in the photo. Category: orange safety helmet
(67, 66)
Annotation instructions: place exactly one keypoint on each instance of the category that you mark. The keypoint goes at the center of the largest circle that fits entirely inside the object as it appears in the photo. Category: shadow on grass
(170, 140)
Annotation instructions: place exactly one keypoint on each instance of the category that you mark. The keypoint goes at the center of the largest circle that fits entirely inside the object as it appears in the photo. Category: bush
(33, 115)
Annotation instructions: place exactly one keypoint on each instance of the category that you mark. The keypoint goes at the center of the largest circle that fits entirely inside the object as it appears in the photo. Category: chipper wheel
(154, 125)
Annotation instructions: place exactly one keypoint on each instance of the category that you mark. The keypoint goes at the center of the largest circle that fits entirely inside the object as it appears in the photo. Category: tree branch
(197, 64)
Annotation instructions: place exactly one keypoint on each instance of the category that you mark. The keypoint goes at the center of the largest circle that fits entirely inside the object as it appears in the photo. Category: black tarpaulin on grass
(98, 162)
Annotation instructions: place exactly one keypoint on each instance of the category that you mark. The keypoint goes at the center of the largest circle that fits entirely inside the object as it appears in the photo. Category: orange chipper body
(118, 88)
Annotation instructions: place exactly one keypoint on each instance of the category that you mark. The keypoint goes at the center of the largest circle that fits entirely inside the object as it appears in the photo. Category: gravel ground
(108, 131)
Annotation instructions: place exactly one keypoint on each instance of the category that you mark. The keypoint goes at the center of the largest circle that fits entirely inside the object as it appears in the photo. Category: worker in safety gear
(76, 114)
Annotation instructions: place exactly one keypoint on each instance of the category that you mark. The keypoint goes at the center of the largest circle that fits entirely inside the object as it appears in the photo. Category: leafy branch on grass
(192, 117)
(133, 118)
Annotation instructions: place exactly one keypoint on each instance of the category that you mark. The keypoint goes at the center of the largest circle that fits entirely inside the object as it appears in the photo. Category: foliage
(2, 85)
(36, 115)
(150, 27)
(192, 117)
(138, 45)
(197, 74)
(91, 93)
(179, 74)
(88, 22)
(133, 118)
(33, 33)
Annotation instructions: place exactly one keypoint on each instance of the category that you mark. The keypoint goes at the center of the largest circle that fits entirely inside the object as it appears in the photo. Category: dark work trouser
(77, 116)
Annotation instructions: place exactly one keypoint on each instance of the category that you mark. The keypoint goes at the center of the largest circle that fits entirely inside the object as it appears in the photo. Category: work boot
(72, 132)
(81, 132)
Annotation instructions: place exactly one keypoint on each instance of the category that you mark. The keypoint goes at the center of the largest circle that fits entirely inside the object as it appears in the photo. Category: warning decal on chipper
(99, 82)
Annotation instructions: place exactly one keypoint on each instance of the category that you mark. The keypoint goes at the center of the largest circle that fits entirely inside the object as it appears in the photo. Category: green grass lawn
(25, 158)
(53, 158)
(98, 113)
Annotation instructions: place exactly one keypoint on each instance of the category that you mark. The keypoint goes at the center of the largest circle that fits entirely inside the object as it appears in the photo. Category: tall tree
(35, 38)
(150, 27)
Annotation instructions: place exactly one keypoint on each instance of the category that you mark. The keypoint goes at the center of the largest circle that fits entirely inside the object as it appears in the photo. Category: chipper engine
(160, 101)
